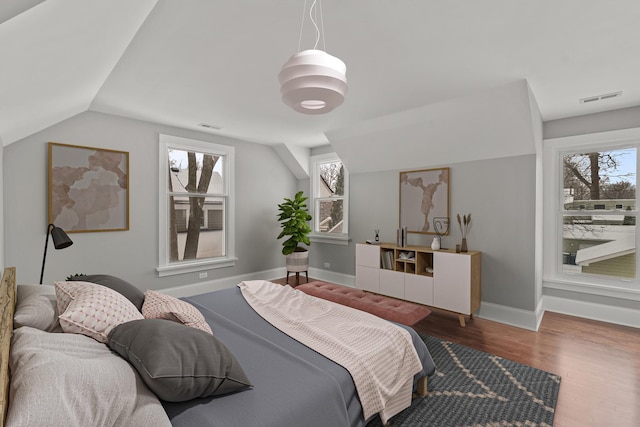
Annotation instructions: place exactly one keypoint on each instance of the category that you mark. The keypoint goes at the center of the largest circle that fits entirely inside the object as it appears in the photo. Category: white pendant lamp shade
(313, 82)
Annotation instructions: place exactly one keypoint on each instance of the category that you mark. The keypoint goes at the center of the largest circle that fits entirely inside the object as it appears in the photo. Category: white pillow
(93, 310)
(162, 306)
(36, 307)
(72, 380)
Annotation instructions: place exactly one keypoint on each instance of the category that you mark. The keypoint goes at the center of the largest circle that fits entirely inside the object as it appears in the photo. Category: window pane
(205, 238)
(195, 172)
(331, 182)
(600, 180)
(330, 216)
(602, 240)
(604, 246)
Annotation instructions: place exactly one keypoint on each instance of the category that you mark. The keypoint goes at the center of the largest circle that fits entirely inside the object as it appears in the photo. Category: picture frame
(88, 188)
(424, 195)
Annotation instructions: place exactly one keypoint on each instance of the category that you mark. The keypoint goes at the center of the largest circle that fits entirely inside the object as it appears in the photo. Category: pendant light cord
(313, 15)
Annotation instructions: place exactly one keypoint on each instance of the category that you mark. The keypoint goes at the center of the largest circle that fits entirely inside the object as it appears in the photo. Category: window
(196, 206)
(330, 199)
(594, 242)
(599, 212)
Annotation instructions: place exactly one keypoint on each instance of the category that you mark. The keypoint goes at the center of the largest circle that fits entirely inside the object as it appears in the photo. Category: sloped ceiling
(200, 61)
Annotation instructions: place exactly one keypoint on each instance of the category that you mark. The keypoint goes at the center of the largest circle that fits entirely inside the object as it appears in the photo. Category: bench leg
(422, 386)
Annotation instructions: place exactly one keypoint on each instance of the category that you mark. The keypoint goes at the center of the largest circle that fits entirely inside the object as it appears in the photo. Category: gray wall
(624, 118)
(261, 182)
(500, 195)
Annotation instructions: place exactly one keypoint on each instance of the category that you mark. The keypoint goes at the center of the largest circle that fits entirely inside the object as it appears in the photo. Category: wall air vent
(208, 126)
(600, 97)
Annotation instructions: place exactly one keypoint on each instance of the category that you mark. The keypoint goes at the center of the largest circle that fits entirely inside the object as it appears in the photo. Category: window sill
(192, 267)
(341, 239)
(624, 289)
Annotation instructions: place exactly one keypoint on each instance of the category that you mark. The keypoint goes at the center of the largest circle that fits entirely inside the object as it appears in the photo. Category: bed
(290, 384)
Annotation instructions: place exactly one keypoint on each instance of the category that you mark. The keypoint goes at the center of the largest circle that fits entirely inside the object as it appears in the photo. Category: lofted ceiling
(184, 63)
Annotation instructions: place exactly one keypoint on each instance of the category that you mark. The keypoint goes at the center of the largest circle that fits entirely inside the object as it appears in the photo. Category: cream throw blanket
(378, 354)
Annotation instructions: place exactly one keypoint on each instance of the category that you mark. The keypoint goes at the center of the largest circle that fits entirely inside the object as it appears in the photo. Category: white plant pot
(298, 261)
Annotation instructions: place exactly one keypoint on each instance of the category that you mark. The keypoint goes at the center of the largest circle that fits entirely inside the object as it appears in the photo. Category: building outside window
(330, 198)
(196, 227)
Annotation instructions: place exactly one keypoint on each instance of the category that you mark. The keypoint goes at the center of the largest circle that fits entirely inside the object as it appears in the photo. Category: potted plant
(293, 218)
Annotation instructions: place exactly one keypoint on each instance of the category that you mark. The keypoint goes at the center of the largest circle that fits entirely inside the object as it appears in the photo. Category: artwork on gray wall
(88, 188)
(424, 195)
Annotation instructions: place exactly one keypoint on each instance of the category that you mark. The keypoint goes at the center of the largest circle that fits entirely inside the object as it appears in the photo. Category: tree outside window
(196, 206)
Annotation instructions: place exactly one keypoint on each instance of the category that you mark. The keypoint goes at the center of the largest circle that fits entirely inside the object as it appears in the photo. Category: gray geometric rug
(473, 388)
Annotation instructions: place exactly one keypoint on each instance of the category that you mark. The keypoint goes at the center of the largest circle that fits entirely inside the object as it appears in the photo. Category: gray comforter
(293, 385)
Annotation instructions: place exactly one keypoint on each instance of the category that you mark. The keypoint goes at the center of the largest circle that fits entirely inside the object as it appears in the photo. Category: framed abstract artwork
(88, 188)
(424, 196)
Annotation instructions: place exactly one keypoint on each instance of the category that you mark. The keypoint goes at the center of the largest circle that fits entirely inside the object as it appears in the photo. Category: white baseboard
(520, 318)
(594, 311)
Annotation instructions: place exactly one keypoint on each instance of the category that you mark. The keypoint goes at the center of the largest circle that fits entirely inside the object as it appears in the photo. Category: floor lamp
(60, 241)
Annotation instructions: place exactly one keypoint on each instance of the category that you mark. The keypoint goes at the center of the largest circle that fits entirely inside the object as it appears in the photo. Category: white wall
(262, 181)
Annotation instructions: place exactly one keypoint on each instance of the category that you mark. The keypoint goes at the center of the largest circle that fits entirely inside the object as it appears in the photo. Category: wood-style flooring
(599, 362)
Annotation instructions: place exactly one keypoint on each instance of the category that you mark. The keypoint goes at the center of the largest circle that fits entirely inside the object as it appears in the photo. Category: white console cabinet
(441, 279)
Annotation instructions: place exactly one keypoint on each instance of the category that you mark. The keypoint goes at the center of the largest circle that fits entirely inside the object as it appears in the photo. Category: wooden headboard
(7, 305)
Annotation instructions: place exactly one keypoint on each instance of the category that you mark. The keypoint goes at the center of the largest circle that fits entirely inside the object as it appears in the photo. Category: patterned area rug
(472, 388)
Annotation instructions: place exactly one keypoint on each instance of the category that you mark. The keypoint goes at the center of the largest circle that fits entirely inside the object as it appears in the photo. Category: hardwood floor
(599, 362)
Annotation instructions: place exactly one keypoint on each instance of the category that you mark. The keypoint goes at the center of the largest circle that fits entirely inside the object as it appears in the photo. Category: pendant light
(312, 81)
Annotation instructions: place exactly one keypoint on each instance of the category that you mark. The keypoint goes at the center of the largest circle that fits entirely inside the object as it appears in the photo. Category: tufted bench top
(393, 309)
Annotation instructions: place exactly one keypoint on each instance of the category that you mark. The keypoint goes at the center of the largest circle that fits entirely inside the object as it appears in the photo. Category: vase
(435, 245)
(463, 246)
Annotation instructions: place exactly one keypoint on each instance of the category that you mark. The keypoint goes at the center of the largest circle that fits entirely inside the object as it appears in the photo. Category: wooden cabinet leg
(461, 319)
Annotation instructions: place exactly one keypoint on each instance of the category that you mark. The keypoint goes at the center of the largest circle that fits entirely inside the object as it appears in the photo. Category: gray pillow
(133, 294)
(177, 362)
(36, 307)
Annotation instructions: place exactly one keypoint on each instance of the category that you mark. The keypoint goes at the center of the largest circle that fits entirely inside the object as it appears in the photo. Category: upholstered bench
(393, 309)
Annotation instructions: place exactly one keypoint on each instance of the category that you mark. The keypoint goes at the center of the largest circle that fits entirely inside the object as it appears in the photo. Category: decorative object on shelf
(88, 188)
(293, 218)
(435, 245)
(441, 228)
(465, 226)
(312, 81)
(424, 196)
(377, 235)
(60, 241)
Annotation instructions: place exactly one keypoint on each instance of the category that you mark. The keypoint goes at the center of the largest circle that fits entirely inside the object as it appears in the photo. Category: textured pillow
(93, 310)
(36, 308)
(72, 380)
(133, 294)
(177, 362)
(161, 306)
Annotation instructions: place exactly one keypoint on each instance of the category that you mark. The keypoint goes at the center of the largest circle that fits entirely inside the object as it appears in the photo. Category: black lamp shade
(60, 241)
(60, 238)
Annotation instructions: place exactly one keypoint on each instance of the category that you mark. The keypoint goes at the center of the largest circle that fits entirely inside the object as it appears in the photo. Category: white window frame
(553, 276)
(166, 268)
(314, 167)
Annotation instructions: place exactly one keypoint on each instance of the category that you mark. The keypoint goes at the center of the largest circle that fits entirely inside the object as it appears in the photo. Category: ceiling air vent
(600, 97)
